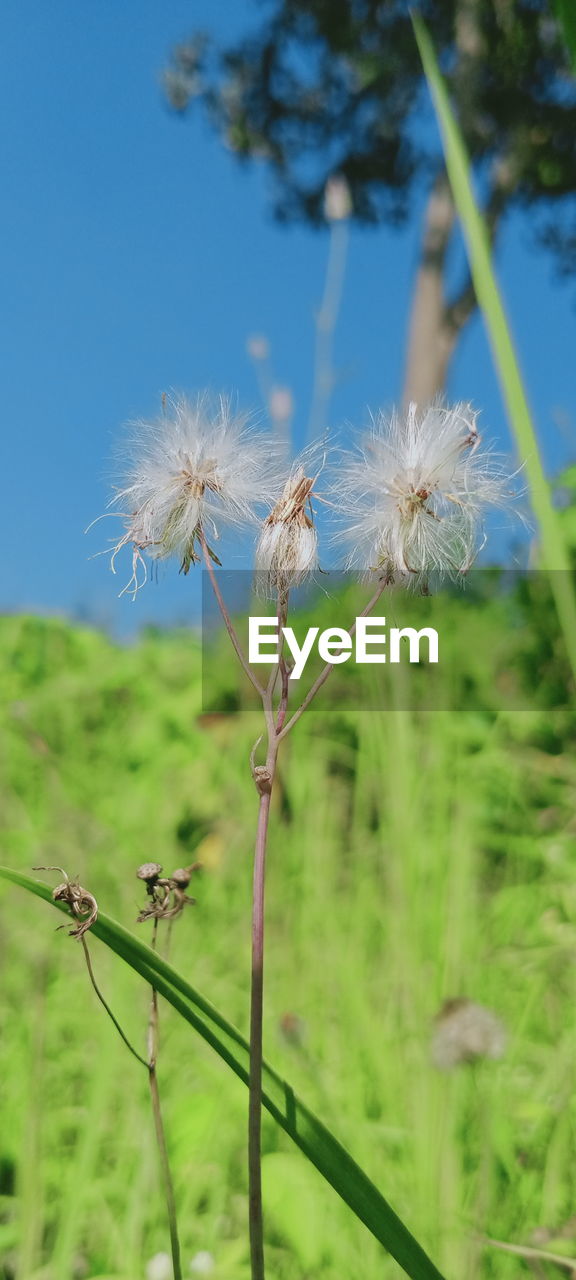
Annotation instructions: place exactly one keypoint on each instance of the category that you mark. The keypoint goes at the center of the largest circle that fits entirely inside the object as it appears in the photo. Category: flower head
(287, 550)
(192, 470)
(417, 489)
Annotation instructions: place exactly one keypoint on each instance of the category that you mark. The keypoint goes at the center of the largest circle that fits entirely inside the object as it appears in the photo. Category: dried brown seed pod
(82, 903)
(149, 871)
(181, 877)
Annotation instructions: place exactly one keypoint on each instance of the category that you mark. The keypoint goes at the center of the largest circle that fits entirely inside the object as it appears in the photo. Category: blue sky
(138, 257)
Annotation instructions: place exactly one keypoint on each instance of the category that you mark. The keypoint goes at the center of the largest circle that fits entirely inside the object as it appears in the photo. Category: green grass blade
(554, 552)
(310, 1135)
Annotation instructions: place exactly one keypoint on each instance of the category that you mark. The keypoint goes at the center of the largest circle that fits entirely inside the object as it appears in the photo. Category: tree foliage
(319, 87)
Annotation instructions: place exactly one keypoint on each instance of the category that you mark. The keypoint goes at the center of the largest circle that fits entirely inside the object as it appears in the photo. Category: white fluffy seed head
(415, 493)
(189, 472)
(287, 550)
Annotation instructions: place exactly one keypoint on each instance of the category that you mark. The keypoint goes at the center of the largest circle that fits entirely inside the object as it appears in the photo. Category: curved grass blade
(310, 1135)
(556, 559)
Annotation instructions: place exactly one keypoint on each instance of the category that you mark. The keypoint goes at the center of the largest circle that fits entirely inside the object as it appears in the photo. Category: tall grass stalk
(555, 554)
(159, 1125)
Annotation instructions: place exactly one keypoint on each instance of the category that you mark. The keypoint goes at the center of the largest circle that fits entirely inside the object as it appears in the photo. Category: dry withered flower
(168, 893)
(149, 872)
(82, 903)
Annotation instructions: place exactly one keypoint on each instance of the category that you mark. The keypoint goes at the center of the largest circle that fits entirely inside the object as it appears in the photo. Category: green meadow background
(413, 858)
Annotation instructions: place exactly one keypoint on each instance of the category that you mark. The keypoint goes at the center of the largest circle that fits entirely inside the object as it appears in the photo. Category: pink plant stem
(264, 777)
(328, 669)
(226, 617)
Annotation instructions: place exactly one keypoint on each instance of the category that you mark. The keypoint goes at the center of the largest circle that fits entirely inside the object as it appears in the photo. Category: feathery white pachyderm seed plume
(287, 550)
(416, 492)
(195, 468)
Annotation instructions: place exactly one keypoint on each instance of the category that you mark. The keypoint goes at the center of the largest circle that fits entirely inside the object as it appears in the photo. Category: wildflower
(417, 491)
(465, 1031)
(168, 893)
(189, 472)
(287, 550)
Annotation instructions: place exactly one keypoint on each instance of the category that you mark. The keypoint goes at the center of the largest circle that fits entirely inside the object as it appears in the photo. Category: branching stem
(277, 728)
(226, 617)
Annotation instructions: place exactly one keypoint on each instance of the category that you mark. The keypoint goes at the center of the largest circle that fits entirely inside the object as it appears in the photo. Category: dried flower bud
(181, 877)
(149, 872)
(287, 551)
(465, 1031)
(82, 903)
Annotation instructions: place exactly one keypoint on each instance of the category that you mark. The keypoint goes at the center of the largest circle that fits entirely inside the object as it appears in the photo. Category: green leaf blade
(555, 554)
(317, 1143)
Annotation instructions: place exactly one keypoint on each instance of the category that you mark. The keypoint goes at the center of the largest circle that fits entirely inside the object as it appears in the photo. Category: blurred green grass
(412, 859)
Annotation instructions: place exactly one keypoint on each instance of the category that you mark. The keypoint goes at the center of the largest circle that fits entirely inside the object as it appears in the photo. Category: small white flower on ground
(465, 1031)
(416, 492)
(159, 1267)
(287, 550)
(191, 471)
(202, 1263)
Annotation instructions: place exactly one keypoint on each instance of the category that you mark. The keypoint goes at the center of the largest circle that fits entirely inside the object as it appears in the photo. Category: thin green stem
(103, 1002)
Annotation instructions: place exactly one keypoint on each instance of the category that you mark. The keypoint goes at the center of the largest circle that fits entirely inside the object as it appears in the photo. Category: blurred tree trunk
(436, 322)
(431, 340)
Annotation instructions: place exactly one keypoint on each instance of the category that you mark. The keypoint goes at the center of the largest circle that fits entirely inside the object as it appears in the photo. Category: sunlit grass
(411, 860)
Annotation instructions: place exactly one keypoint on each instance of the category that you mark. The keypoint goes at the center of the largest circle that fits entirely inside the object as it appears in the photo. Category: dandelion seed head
(465, 1031)
(416, 492)
(194, 469)
(287, 550)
